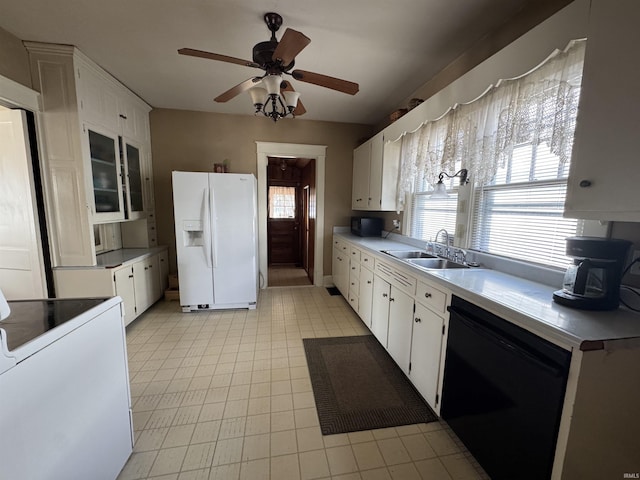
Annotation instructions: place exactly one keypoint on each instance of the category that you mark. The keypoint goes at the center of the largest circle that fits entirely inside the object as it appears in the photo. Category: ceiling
(390, 52)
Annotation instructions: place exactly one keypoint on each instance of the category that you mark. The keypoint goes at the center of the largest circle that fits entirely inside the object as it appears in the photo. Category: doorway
(317, 153)
(290, 239)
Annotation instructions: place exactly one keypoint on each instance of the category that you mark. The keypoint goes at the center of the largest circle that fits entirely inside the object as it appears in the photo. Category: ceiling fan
(276, 58)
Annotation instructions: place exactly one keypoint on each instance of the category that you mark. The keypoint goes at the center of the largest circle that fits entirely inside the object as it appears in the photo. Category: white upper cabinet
(95, 144)
(375, 175)
(604, 175)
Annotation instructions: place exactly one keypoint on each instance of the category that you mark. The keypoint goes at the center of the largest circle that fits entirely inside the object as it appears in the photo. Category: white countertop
(116, 258)
(523, 302)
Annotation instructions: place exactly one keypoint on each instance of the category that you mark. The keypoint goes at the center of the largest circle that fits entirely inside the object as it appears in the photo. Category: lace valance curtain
(540, 106)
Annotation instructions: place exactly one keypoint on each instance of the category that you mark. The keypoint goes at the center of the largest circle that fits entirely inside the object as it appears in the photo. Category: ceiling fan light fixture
(258, 97)
(291, 99)
(272, 84)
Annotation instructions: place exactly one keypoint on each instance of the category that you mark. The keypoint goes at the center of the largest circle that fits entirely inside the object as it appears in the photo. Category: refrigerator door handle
(206, 227)
(214, 244)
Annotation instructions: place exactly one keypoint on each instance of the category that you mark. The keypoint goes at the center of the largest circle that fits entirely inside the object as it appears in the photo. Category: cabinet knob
(130, 276)
(384, 295)
(585, 183)
(427, 295)
(369, 281)
(123, 116)
(418, 320)
(391, 299)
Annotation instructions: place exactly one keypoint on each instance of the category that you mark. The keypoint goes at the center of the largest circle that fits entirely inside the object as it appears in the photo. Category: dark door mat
(357, 386)
(333, 290)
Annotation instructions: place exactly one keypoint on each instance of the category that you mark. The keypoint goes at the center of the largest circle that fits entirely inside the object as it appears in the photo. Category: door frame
(264, 150)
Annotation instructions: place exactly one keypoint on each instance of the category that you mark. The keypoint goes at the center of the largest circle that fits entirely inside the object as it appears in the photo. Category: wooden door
(283, 226)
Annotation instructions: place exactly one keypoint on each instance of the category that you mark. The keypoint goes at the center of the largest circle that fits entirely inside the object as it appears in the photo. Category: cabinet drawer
(354, 286)
(355, 255)
(431, 297)
(367, 260)
(397, 278)
(354, 270)
(340, 245)
(354, 301)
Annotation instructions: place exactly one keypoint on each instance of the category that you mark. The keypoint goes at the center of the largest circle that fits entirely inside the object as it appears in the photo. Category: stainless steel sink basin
(409, 254)
(435, 263)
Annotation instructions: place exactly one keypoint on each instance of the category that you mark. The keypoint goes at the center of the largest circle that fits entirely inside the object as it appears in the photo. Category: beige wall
(194, 141)
(14, 61)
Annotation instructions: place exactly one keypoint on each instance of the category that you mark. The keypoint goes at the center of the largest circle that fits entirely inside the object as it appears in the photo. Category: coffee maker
(593, 281)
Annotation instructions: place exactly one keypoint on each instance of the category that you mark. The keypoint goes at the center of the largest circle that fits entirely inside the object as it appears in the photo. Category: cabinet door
(365, 296)
(426, 345)
(375, 173)
(105, 172)
(604, 177)
(141, 282)
(126, 290)
(380, 313)
(360, 183)
(340, 269)
(134, 190)
(400, 325)
(98, 98)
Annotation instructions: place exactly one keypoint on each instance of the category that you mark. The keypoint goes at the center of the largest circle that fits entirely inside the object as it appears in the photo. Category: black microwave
(367, 226)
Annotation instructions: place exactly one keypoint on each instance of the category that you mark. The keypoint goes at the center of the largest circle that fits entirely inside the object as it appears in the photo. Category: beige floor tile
(228, 451)
(441, 442)
(341, 460)
(225, 472)
(283, 443)
(211, 411)
(138, 466)
(368, 456)
(232, 428)
(281, 403)
(257, 424)
(336, 440)
(306, 417)
(380, 474)
(168, 460)
(186, 415)
(393, 451)
(199, 456)
(178, 436)
(432, 468)
(260, 390)
(418, 447)
(359, 437)
(313, 465)
(200, 474)
(149, 440)
(282, 421)
(285, 467)
(235, 408)
(258, 406)
(300, 385)
(255, 470)
(239, 392)
(309, 438)
(404, 471)
(256, 446)
(161, 418)
(303, 400)
(206, 432)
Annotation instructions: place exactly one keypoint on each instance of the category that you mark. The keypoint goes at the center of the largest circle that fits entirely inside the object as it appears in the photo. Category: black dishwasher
(503, 392)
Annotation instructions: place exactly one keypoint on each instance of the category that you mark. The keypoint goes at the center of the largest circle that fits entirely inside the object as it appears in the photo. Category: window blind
(430, 215)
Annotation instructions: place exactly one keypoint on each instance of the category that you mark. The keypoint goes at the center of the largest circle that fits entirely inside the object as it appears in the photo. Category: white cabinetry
(375, 174)
(365, 295)
(604, 175)
(340, 267)
(139, 283)
(95, 138)
(427, 341)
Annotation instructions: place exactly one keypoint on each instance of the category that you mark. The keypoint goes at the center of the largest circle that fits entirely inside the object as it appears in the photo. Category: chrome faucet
(447, 240)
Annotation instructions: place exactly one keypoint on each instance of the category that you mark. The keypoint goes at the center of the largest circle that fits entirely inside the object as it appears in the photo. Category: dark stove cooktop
(31, 318)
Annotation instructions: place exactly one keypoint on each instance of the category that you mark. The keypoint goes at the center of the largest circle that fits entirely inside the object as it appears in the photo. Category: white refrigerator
(216, 221)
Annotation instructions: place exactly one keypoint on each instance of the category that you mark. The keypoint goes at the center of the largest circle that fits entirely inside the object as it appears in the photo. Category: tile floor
(285, 276)
(226, 395)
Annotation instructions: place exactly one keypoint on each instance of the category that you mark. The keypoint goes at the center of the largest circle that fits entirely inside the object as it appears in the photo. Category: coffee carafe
(593, 281)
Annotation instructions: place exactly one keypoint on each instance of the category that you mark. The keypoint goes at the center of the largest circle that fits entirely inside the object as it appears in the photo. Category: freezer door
(234, 238)
(191, 203)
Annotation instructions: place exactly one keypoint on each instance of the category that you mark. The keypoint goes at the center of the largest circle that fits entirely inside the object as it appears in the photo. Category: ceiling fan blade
(237, 90)
(215, 56)
(325, 81)
(291, 44)
(299, 110)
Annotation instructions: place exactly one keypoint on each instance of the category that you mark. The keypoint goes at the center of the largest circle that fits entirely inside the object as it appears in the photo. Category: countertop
(116, 258)
(34, 324)
(523, 302)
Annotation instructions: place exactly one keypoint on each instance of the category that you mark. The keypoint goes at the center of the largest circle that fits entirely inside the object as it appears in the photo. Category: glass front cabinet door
(105, 172)
(132, 165)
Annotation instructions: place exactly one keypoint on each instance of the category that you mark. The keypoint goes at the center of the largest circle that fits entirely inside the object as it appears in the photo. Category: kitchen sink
(409, 254)
(434, 263)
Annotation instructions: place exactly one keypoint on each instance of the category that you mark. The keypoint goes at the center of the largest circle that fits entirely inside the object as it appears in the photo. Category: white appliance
(216, 240)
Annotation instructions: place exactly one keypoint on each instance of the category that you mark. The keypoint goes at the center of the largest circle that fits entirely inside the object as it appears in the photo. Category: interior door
(283, 226)
(21, 259)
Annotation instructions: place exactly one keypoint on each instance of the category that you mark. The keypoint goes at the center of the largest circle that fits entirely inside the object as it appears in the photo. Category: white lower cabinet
(400, 324)
(426, 346)
(138, 283)
(365, 295)
(340, 271)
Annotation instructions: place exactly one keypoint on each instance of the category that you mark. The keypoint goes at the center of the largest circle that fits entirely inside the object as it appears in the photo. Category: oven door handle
(502, 341)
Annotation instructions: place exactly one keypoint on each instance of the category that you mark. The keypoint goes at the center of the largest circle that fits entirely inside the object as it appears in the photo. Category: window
(282, 202)
(519, 213)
